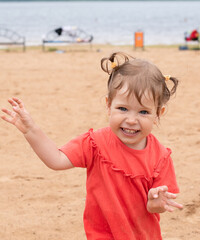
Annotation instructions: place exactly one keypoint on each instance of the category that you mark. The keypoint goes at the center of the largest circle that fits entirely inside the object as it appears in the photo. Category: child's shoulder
(95, 133)
(102, 131)
(158, 146)
(101, 134)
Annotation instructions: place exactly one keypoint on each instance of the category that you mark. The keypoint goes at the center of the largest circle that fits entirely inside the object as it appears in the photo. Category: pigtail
(174, 81)
(111, 64)
(114, 62)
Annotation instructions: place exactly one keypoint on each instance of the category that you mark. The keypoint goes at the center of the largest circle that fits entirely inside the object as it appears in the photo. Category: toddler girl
(130, 175)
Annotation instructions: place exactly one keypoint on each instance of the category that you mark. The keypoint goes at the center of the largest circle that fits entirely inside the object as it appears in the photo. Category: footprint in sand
(191, 208)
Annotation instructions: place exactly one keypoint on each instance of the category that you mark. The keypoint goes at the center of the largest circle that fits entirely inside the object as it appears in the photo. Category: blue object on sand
(183, 47)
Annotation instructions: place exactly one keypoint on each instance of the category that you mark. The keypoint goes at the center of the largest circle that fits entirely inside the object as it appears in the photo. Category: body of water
(113, 22)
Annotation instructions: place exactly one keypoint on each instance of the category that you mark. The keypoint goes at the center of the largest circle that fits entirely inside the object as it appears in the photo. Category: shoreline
(94, 47)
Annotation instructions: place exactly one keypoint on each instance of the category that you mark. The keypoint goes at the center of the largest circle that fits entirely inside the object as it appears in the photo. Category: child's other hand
(18, 116)
(160, 200)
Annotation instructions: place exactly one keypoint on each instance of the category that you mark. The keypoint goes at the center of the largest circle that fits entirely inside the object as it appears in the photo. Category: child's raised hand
(18, 116)
(160, 200)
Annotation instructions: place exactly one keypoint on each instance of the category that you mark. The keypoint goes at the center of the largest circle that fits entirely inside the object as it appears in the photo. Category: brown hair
(140, 75)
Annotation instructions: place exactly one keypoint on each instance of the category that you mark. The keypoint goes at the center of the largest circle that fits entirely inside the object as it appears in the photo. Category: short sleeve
(164, 174)
(80, 150)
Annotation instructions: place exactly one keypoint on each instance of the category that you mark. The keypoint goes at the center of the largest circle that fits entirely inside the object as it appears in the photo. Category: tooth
(130, 131)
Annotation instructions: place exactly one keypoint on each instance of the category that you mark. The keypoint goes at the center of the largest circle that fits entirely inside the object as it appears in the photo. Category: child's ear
(162, 110)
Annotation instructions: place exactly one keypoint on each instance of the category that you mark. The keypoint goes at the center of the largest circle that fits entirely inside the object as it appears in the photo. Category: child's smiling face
(131, 121)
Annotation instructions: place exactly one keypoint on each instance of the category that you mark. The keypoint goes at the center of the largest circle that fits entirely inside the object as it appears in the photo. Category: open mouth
(130, 131)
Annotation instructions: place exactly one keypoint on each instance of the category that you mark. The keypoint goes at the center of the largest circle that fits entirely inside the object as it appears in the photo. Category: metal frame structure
(9, 37)
(66, 35)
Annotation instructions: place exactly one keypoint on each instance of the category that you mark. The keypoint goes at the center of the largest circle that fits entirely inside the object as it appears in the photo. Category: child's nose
(131, 119)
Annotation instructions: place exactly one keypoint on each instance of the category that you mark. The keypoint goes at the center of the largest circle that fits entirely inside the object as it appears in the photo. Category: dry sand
(65, 94)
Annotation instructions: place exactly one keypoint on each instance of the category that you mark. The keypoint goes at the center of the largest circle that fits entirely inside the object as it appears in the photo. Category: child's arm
(160, 200)
(46, 149)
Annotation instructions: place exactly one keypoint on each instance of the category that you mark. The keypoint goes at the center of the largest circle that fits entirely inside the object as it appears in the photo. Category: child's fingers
(152, 193)
(162, 189)
(16, 102)
(10, 115)
(174, 204)
(7, 119)
(17, 106)
(19, 102)
(21, 112)
(168, 208)
(12, 102)
(17, 110)
(8, 112)
(157, 190)
(170, 195)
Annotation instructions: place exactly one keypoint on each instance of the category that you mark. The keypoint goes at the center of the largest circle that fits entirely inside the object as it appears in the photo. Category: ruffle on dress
(155, 173)
(161, 164)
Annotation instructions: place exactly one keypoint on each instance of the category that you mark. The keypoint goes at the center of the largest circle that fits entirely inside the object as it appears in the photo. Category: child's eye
(122, 109)
(144, 112)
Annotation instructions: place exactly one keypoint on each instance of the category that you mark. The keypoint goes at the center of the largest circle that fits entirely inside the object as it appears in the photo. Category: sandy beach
(65, 93)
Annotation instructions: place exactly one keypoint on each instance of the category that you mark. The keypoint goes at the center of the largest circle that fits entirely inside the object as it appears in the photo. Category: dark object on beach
(183, 47)
(68, 34)
(59, 31)
(9, 37)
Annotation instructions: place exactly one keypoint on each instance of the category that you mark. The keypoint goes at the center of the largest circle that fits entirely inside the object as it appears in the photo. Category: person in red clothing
(130, 174)
(193, 36)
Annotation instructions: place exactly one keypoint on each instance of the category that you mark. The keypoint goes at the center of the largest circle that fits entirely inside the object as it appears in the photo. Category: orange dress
(118, 181)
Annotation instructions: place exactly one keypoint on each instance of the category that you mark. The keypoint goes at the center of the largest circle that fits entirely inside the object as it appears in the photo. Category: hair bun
(112, 63)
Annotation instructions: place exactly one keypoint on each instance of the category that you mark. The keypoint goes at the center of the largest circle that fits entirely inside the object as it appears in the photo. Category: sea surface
(110, 22)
